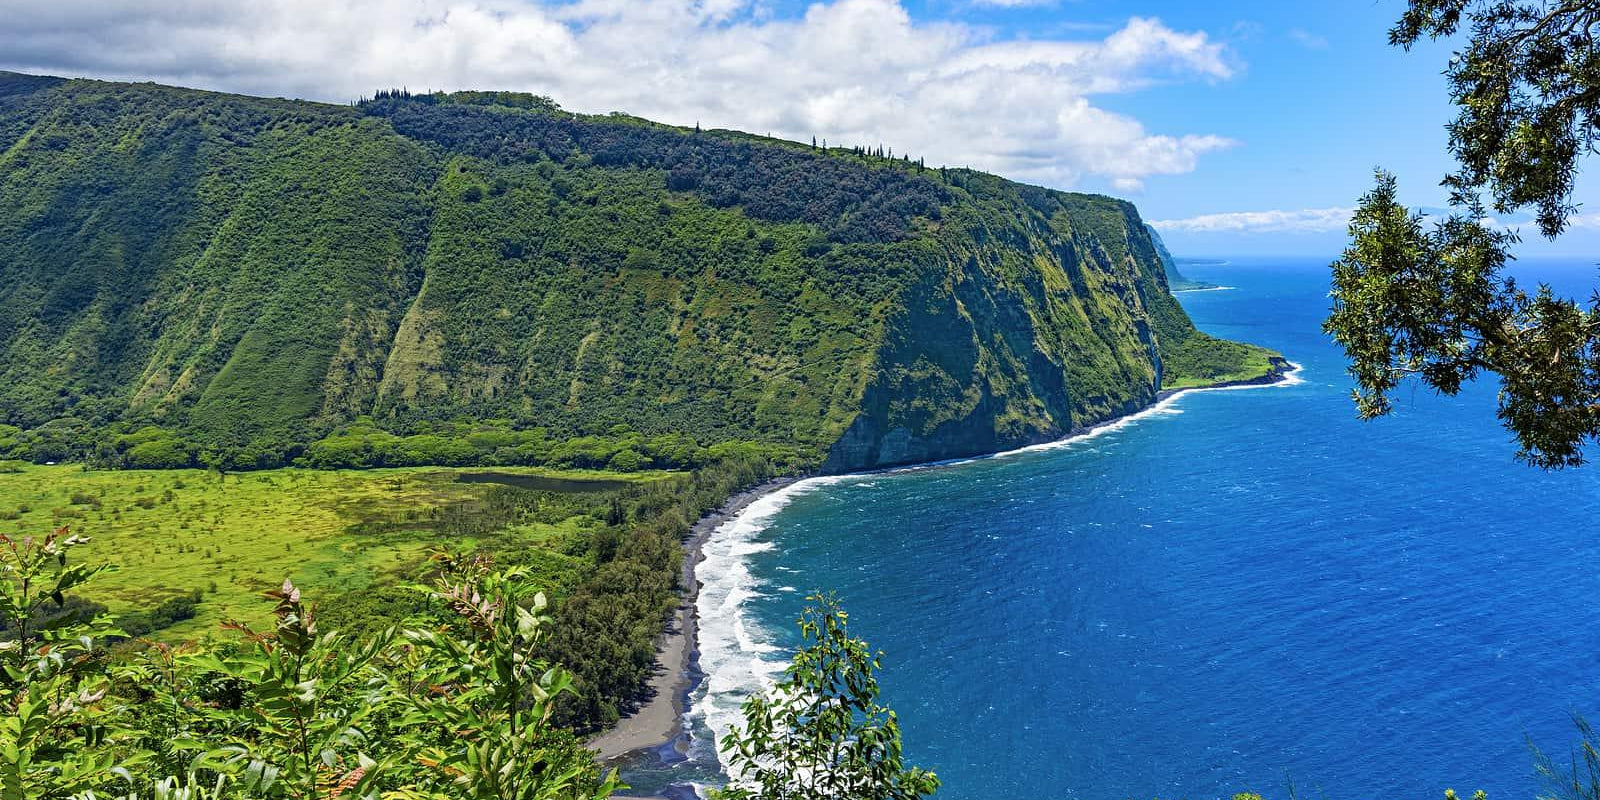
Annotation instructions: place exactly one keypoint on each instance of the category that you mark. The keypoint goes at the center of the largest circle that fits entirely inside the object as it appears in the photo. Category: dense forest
(192, 278)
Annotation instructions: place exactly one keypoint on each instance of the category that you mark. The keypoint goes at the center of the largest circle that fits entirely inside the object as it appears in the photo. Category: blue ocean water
(1243, 589)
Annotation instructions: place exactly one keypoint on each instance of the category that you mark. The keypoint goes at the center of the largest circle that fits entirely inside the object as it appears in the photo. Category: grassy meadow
(171, 532)
(1203, 360)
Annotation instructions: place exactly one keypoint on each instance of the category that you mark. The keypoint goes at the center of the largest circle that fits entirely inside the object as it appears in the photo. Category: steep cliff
(254, 274)
(1175, 279)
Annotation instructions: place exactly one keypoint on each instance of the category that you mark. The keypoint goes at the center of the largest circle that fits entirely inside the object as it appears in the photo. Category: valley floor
(171, 533)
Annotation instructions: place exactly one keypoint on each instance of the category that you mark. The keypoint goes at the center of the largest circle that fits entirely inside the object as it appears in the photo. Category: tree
(1430, 302)
(303, 736)
(1528, 89)
(53, 720)
(820, 733)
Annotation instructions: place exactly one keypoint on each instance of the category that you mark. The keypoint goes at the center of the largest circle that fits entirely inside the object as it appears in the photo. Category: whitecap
(737, 656)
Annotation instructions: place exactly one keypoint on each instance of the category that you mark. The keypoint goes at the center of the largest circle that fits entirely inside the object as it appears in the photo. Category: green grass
(168, 532)
(1203, 360)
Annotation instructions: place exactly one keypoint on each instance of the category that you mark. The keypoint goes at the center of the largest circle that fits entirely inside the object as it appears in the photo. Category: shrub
(628, 461)
(159, 454)
(169, 613)
(290, 712)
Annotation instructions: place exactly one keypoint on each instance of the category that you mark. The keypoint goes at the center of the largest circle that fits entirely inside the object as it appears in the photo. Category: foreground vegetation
(459, 702)
(456, 705)
(821, 732)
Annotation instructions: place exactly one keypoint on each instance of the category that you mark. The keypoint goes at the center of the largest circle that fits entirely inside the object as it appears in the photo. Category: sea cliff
(233, 280)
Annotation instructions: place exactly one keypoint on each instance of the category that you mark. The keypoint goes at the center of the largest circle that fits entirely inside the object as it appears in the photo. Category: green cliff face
(254, 274)
(1175, 279)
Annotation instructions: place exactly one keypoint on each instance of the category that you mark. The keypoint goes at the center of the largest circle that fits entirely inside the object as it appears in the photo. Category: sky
(1238, 127)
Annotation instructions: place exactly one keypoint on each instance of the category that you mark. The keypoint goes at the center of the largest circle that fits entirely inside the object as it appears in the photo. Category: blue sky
(1320, 101)
(1239, 127)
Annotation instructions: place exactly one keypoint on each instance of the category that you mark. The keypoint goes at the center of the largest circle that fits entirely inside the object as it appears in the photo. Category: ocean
(1239, 590)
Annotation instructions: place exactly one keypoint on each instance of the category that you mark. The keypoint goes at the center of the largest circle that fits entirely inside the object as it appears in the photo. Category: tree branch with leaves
(1431, 303)
(821, 733)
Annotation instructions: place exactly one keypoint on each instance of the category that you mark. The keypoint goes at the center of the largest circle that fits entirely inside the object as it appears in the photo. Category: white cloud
(1587, 222)
(1308, 220)
(853, 71)
(1307, 39)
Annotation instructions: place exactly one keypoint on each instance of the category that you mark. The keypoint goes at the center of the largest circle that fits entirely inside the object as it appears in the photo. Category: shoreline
(658, 723)
(1283, 371)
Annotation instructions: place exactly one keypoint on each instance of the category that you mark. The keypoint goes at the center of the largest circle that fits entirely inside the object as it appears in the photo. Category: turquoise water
(1238, 590)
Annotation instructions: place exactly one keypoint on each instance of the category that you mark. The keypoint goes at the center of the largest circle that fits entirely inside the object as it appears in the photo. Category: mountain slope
(253, 275)
(1175, 279)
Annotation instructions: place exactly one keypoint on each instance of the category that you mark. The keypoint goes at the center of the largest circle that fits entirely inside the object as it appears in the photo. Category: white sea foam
(1167, 406)
(736, 655)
